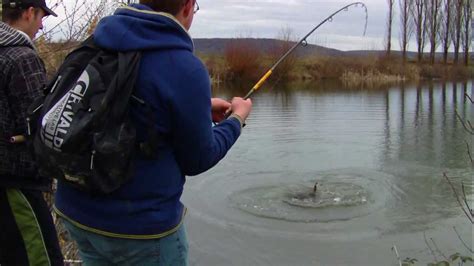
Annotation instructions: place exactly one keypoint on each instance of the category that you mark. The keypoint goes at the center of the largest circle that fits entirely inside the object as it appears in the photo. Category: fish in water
(305, 196)
(315, 188)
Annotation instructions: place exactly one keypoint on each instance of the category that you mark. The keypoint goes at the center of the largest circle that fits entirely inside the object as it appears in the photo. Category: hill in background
(218, 46)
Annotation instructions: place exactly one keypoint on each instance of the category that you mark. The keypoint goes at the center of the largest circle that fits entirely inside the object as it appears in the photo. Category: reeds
(243, 60)
(372, 78)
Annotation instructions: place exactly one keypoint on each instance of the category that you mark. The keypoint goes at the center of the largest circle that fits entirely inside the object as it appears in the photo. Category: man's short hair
(13, 14)
(169, 6)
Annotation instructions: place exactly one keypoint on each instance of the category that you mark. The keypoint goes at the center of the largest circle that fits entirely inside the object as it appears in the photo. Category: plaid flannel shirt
(22, 78)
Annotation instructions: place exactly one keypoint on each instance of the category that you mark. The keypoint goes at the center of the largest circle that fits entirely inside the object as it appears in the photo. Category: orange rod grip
(262, 80)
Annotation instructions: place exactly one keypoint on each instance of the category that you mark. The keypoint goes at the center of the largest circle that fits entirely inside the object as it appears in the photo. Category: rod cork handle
(259, 84)
(17, 139)
(262, 80)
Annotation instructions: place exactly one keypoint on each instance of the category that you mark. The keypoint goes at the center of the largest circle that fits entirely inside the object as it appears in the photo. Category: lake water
(378, 157)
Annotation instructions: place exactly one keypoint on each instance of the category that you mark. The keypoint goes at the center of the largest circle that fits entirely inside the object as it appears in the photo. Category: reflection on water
(378, 156)
(424, 138)
(422, 125)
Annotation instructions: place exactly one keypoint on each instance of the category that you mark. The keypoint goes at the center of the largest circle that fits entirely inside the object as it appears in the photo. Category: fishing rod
(304, 42)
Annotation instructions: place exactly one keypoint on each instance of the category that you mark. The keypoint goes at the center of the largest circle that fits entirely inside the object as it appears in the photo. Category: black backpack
(82, 133)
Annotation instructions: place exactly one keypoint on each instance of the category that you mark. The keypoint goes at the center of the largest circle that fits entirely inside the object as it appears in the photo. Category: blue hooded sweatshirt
(177, 86)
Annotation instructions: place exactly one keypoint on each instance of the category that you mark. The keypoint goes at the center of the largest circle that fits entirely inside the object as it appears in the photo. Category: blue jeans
(96, 249)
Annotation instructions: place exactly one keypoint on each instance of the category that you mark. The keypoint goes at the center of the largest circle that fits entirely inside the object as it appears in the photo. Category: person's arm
(197, 144)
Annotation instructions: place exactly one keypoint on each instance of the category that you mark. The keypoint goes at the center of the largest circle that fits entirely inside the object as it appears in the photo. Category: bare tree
(457, 30)
(406, 28)
(467, 11)
(433, 9)
(242, 59)
(389, 25)
(446, 28)
(419, 19)
(78, 21)
(286, 41)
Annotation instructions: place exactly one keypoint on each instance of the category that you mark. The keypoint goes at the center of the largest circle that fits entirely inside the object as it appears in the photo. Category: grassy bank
(368, 70)
(245, 61)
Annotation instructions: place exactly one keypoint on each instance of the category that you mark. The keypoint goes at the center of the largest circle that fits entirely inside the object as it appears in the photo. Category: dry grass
(369, 69)
(285, 70)
(242, 60)
(369, 79)
(53, 54)
(217, 68)
(334, 67)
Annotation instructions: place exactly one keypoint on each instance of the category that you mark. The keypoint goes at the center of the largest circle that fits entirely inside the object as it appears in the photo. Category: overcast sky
(267, 19)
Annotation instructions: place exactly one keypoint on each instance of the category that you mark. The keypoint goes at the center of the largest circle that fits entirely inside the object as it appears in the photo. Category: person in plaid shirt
(29, 236)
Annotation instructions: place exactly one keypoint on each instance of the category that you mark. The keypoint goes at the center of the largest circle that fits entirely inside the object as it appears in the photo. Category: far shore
(361, 70)
(244, 61)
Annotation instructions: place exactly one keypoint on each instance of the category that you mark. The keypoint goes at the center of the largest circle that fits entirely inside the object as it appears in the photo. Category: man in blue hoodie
(142, 222)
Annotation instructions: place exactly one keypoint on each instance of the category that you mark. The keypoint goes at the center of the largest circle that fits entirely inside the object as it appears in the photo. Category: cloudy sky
(268, 18)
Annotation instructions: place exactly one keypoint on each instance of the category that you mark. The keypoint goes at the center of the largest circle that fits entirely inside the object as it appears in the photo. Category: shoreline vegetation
(241, 60)
(244, 62)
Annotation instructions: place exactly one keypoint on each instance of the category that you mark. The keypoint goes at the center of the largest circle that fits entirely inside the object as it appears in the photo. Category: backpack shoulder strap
(128, 65)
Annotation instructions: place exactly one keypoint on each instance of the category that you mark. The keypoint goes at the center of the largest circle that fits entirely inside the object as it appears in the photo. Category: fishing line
(303, 42)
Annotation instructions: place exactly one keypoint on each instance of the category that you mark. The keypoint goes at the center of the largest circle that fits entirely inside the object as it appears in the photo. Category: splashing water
(339, 196)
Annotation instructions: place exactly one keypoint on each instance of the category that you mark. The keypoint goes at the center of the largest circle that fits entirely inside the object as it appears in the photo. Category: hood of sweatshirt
(137, 27)
(10, 37)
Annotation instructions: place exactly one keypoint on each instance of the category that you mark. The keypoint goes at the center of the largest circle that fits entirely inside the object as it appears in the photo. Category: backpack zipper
(28, 119)
(28, 126)
(92, 160)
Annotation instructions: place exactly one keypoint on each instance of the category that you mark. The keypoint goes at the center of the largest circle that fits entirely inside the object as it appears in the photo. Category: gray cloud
(266, 19)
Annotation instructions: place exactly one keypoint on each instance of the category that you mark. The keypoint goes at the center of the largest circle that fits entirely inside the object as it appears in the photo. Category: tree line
(444, 24)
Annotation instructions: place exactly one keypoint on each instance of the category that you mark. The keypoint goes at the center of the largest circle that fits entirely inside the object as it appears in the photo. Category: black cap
(27, 4)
